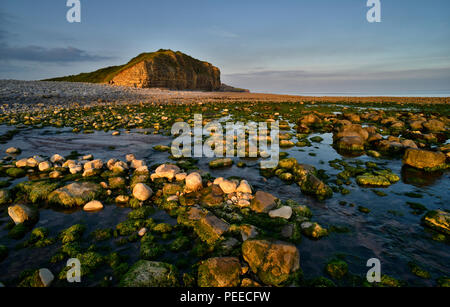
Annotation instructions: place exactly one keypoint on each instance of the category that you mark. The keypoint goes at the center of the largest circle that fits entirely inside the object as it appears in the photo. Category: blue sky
(285, 46)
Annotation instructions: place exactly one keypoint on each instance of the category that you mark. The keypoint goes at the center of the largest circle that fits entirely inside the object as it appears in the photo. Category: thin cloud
(49, 55)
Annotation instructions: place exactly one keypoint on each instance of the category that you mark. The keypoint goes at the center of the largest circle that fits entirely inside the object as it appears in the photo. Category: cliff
(163, 69)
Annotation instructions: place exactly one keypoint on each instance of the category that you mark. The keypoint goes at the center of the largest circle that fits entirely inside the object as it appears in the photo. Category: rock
(228, 186)
(193, 182)
(350, 143)
(13, 151)
(210, 228)
(172, 189)
(142, 231)
(263, 202)
(310, 120)
(438, 220)
(180, 176)
(337, 269)
(55, 174)
(150, 274)
(88, 157)
(75, 194)
(273, 262)
(34, 161)
(93, 165)
(416, 125)
(21, 163)
(5, 197)
(137, 164)
(284, 212)
(243, 203)
(168, 171)
(75, 169)
(142, 192)
(44, 166)
(372, 180)
(119, 167)
(423, 159)
(373, 153)
(219, 272)
(93, 205)
(314, 186)
(352, 130)
(409, 144)
(313, 230)
(434, 125)
(244, 187)
(46, 277)
(130, 157)
(248, 232)
(220, 162)
(21, 213)
(57, 159)
(122, 199)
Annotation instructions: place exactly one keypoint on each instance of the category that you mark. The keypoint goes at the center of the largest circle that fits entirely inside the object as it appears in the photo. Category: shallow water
(394, 239)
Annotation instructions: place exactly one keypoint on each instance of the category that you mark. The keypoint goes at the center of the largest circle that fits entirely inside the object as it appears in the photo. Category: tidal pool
(389, 232)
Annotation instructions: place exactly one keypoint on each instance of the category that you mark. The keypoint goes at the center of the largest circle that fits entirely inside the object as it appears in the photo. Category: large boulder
(150, 274)
(22, 213)
(75, 194)
(273, 262)
(219, 272)
(424, 159)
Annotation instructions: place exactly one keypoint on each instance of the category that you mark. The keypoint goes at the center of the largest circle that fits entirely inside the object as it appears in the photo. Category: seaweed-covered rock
(434, 125)
(75, 194)
(219, 272)
(337, 269)
(5, 197)
(273, 262)
(424, 159)
(37, 190)
(372, 180)
(314, 186)
(220, 162)
(313, 230)
(146, 273)
(438, 220)
(210, 228)
(263, 202)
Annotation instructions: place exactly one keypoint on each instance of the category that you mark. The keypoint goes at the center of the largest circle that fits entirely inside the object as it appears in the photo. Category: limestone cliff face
(168, 69)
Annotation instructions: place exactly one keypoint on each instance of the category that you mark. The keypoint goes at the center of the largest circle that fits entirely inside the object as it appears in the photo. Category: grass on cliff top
(162, 57)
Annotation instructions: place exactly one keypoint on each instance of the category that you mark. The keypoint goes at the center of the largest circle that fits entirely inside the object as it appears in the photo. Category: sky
(284, 46)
